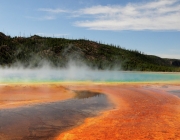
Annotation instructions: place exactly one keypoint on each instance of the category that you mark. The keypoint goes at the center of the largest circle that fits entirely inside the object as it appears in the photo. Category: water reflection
(175, 92)
(45, 121)
(86, 94)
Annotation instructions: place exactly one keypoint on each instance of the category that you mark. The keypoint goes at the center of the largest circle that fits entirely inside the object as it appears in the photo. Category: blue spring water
(84, 75)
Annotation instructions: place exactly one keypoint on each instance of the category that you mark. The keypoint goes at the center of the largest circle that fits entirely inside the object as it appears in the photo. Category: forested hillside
(32, 51)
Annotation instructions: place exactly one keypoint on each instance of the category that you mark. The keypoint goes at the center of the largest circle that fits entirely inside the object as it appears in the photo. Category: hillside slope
(58, 52)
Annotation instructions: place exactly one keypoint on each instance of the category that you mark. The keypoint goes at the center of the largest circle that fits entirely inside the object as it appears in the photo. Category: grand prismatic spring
(92, 105)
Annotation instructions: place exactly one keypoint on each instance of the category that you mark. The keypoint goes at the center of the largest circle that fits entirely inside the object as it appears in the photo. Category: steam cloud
(77, 72)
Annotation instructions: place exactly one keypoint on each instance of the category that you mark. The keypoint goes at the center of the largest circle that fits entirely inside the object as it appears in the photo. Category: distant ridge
(58, 52)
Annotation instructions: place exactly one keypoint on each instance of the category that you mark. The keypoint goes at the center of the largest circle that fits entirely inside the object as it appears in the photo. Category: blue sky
(150, 26)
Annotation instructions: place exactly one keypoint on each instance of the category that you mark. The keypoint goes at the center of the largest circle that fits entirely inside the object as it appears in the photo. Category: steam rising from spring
(78, 72)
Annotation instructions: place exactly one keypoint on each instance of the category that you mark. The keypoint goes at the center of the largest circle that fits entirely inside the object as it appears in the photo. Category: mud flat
(143, 112)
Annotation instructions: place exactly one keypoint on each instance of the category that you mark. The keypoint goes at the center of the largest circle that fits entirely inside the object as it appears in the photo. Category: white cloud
(42, 18)
(154, 15)
(47, 18)
(50, 14)
(55, 11)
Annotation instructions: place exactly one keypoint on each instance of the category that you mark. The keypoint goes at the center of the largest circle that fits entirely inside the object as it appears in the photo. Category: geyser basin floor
(44, 120)
(16, 95)
(142, 111)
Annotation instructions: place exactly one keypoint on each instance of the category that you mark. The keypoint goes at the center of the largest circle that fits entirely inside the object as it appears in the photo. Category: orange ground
(142, 113)
(12, 96)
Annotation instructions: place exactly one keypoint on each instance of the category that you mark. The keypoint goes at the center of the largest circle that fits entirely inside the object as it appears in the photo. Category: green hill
(58, 52)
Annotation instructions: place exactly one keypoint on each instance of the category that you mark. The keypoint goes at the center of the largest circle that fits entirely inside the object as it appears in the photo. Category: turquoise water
(42, 75)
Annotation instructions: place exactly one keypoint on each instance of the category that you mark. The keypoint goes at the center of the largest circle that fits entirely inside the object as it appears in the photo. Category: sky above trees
(150, 26)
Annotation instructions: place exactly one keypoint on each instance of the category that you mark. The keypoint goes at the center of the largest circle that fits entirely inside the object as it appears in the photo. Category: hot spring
(56, 104)
(75, 74)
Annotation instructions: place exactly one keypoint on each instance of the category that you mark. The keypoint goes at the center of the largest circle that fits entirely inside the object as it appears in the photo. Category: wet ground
(173, 89)
(17, 95)
(143, 112)
(126, 111)
(45, 121)
(175, 92)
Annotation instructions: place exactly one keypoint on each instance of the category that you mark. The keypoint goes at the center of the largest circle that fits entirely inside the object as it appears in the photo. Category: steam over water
(46, 74)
